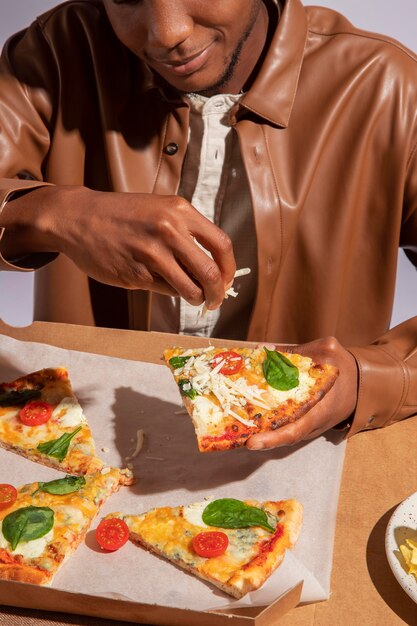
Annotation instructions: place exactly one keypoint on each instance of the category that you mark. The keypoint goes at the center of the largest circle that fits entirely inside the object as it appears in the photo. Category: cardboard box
(380, 471)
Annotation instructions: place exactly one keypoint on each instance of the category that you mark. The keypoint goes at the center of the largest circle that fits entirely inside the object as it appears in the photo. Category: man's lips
(188, 66)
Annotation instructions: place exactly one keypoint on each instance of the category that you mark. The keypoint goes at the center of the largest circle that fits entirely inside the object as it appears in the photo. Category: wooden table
(380, 471)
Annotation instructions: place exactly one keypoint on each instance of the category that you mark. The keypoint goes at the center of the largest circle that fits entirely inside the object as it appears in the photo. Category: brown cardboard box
(380, 471)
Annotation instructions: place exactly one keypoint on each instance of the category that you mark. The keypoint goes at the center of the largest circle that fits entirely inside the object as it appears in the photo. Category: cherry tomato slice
(232, 362)
(210, 544)
(8, 496)
(112, 534)
(35, 413)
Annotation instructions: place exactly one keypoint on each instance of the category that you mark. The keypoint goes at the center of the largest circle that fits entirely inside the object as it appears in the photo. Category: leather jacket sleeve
(25, 119)
(387, 369)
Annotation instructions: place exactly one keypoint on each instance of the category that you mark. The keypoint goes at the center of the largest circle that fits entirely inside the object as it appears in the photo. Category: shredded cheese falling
(244, 271)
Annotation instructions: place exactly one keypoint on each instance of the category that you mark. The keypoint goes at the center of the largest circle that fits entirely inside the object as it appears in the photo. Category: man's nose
(168, 24)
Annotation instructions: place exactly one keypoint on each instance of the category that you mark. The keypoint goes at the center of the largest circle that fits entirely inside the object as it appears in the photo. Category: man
(110, 140)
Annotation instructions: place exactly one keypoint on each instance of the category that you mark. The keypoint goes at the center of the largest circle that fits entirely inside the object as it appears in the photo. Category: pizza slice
(233, 394)
(42, 420)
(232, 544)
(41, 524)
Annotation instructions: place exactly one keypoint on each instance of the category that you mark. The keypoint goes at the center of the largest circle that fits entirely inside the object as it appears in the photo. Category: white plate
(402, 526)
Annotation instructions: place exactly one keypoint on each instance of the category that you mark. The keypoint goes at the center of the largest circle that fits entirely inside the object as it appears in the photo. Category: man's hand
(337, 405)
(131, 240)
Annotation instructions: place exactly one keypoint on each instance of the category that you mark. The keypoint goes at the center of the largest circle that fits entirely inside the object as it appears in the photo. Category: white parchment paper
(121, 396)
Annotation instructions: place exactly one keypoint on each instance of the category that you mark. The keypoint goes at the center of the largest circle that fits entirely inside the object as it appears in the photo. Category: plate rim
(390, 545)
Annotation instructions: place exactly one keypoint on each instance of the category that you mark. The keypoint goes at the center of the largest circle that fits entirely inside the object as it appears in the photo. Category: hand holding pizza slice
(335, 407)
(233, 394)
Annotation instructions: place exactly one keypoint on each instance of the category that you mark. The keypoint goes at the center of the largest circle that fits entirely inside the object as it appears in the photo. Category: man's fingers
(203, 268)
(288, 435)
(220, 247)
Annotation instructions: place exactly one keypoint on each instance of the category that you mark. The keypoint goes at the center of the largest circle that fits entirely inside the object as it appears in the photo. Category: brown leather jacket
(328, 135)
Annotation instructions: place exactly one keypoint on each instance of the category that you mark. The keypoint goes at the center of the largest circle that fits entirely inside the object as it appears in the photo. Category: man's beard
(234, 59)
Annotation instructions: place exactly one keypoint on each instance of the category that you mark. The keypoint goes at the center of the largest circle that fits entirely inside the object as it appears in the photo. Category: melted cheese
(69, 515)
(73, 513)
(68, 413)
(170, 531)
(206, 415)
(193, 512)
(28, 549)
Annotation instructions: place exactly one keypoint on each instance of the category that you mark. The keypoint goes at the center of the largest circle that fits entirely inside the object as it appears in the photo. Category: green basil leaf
(17, 397)
(178, 361)
(26, 524)
(62, 486)
(186, 388)
(58, 448)
(231, 513)
(279, 372)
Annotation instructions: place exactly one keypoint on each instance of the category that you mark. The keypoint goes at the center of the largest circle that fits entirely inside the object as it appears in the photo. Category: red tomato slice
(211, 543)
(112, 534)
(232, 362)
(35, 413)
(8, 496)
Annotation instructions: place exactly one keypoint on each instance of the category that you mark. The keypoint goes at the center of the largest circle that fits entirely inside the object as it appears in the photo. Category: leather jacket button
(171, 149)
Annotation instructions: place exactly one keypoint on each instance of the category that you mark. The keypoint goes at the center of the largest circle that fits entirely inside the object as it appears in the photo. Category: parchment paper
(119, 397)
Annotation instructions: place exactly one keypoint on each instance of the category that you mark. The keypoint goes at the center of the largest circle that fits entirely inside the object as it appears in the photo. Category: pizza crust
(253, 576)
(24, 573)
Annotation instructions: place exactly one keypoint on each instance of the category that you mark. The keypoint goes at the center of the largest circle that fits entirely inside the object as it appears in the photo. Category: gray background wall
(397, 19)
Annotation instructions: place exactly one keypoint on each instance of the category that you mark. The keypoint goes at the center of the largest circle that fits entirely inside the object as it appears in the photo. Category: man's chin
(192, 85)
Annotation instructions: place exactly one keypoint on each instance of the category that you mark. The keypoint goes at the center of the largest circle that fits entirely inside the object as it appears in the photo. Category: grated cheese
(228, 392)
(139, 445)
(244, 271)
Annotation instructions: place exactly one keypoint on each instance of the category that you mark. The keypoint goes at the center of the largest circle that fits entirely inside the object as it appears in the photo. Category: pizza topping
(203, 378)
(241, 419)
(58, 448)
(68, 413)
(187, 389)
(26, 524)
(35, 413)
(8, 496)
(279, 372)
(232, 362)
(232, 513)
(178, 362)
(68, 515)
(61, 486)
(193, 512)
(206, 414)
(16, 397)
(210, 544)
(112, 533)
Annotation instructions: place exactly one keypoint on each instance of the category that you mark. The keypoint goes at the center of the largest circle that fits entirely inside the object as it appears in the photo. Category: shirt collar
(273, 91)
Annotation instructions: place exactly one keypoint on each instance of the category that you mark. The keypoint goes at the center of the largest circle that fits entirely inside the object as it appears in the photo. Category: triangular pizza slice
(235, 545)
(41, 524)
(231, 394)
(42, 420)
